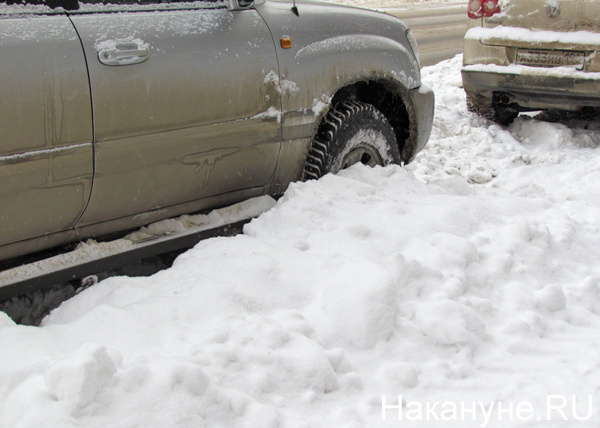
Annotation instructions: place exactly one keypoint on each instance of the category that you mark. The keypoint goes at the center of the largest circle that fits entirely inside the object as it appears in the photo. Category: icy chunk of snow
(81, 375)
(449, 323)
(552, 297)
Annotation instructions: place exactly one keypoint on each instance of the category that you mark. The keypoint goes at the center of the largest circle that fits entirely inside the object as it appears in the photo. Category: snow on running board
(153, 234)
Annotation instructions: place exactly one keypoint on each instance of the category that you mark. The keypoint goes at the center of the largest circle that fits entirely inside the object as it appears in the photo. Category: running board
(14, 283)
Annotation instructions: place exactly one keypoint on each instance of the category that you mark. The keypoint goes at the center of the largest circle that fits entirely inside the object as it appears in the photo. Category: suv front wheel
(353, 132)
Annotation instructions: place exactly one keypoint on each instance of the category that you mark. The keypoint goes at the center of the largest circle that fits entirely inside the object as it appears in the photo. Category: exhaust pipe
(502, 98)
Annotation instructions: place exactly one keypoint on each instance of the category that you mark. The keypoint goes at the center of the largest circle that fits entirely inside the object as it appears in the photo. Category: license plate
(540, 58)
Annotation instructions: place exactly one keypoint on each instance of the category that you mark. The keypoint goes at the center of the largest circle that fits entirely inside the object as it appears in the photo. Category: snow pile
(465, 285)
(470, 147)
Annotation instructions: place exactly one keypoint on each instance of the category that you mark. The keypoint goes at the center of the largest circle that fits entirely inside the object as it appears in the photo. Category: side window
(144, 2)
(66, 4)
(74, 4)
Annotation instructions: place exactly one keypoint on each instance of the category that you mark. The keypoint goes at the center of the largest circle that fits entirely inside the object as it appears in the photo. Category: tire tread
(321, 143)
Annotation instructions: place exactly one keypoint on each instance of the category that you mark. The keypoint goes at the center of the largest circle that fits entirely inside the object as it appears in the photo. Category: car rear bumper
(533, 88)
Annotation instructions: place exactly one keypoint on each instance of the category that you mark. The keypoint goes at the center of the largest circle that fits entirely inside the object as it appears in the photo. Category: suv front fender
(333, 47)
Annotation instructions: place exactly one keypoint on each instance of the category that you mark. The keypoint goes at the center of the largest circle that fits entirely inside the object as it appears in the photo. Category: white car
(525, 55)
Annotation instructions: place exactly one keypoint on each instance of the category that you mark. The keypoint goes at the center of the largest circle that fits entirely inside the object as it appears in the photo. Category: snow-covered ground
(466, 284)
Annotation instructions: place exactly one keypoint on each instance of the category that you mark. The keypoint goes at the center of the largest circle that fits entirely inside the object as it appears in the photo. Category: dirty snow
(465, 285)
(271, 113)
(282, 86)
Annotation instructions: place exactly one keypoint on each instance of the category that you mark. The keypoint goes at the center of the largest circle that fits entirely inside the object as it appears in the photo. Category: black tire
(352, 132)
(502, 115)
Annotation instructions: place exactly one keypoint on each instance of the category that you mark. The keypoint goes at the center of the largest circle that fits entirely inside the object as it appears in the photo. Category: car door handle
(123, 55)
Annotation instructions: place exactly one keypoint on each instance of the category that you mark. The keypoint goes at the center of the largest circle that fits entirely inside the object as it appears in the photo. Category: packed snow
(465, 286)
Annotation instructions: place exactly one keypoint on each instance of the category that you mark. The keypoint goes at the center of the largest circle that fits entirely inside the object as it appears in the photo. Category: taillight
(480, 8)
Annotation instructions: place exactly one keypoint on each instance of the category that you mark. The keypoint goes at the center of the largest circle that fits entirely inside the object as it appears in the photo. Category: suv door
(46, 154)
(182, 105)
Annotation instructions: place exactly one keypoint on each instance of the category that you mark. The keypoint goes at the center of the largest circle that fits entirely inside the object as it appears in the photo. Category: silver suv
(523, 55)
(116, 114)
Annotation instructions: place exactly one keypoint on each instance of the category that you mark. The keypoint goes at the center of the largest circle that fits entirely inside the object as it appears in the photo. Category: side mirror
(239, 4)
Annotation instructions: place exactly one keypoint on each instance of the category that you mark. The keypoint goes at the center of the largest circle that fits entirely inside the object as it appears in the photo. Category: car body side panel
(332, 47)
(193, 120)
(46, 152)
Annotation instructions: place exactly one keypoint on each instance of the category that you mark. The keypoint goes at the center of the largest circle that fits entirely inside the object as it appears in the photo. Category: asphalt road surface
(439, 30)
